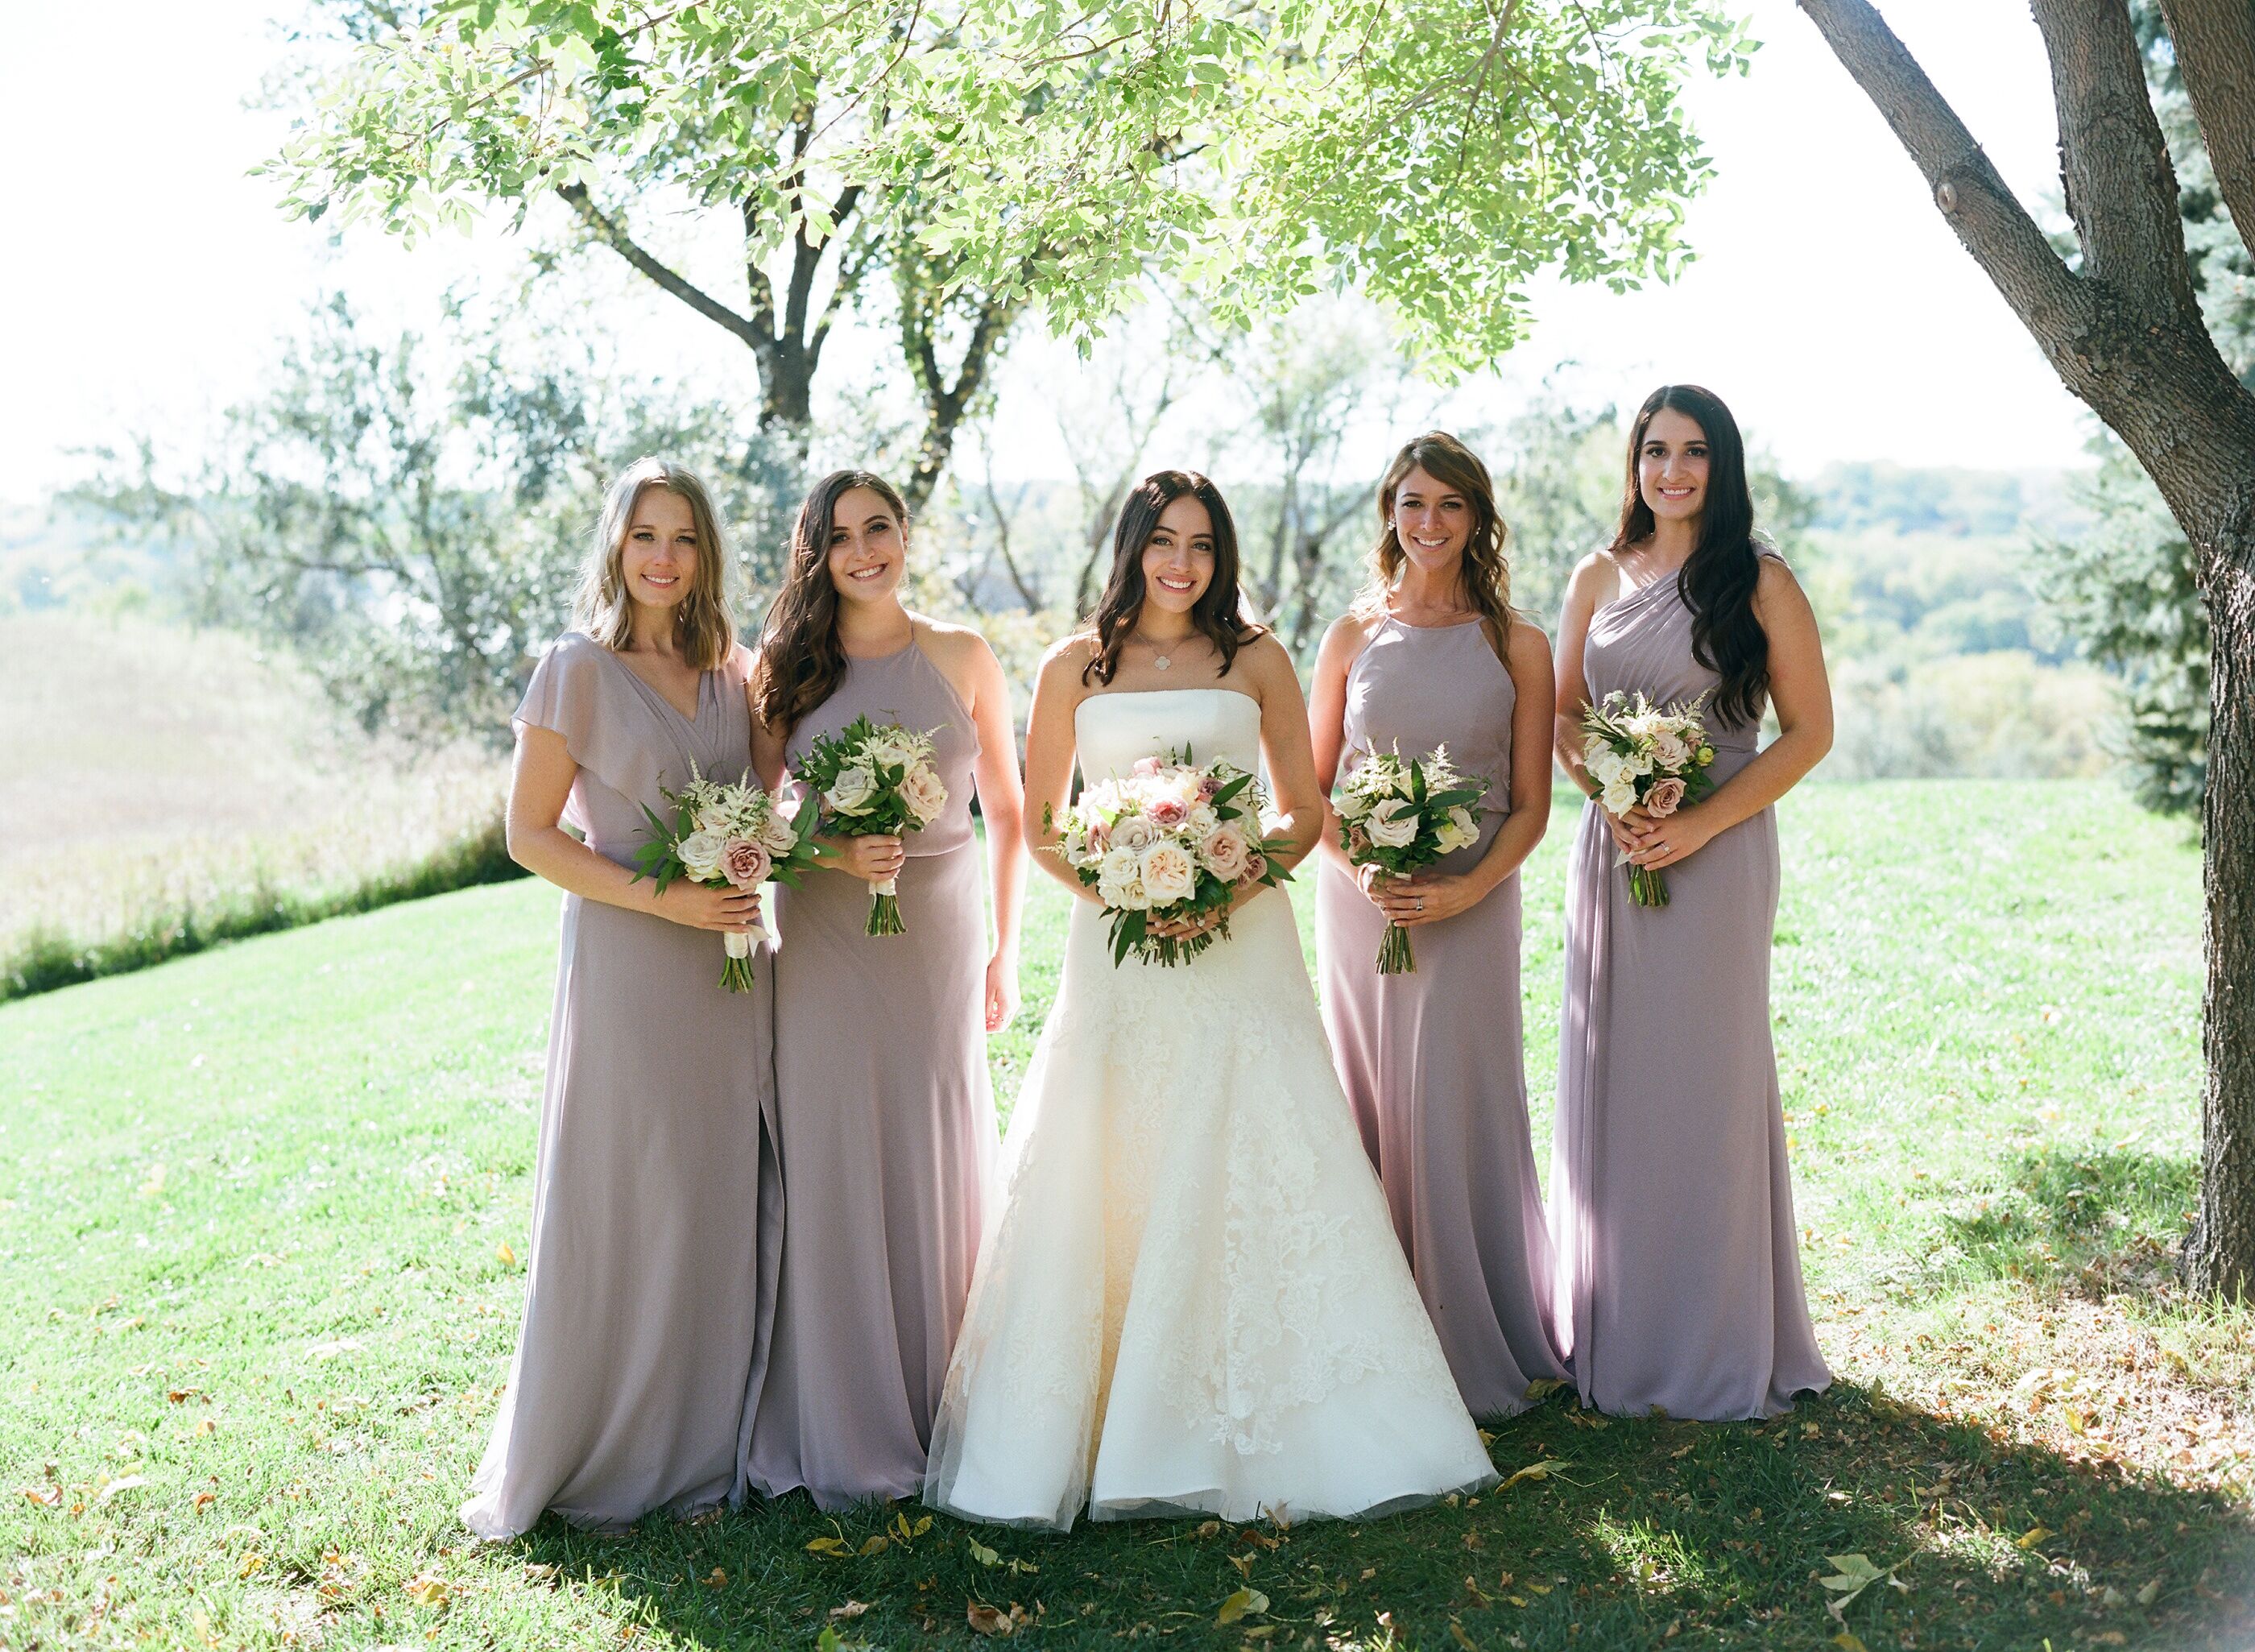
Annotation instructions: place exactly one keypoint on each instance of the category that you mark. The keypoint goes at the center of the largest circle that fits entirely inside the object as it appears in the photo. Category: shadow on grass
(2105, 1211)
(1649, 1534)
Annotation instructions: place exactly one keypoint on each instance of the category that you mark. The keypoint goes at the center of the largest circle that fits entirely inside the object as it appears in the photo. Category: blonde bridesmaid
(657, 1209)
(887, 1121)
(1672, 1201)
(1434, 655)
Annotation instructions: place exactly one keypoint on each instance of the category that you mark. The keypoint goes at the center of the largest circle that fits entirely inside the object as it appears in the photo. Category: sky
(1828, 304)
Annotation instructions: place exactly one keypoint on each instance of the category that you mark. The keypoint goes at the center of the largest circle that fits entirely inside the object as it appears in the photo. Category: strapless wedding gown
(1190, 1298)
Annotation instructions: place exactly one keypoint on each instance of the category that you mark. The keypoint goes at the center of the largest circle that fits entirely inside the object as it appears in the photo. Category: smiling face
(1432, 521)
(867, 549)
(1179, 557)
(658, 563)
(1671, 466)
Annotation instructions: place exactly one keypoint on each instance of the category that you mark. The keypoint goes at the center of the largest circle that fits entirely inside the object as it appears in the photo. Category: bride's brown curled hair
(1216, 614)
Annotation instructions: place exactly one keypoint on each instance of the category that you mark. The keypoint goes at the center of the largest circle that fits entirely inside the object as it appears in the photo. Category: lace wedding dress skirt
(1190, 1298)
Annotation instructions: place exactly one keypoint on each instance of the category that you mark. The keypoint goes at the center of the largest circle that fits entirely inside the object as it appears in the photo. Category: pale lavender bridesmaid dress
(887, 1128)
(1432, 1061)
(656, 1201)
(1671, 1199)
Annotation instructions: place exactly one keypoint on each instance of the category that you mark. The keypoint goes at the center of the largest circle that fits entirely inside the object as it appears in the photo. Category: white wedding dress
(1190, 1298)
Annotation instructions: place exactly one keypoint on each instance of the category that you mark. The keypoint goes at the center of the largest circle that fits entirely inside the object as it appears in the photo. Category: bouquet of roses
(735, 835)
(1402, 815)
(1645, 758)
(873, 781)
(1168, 841)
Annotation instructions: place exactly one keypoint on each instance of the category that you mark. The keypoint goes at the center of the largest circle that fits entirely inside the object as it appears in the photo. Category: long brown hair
(801, 659)
(1483, 574)
(1718, 579)
(1216, 614)
(601, 607)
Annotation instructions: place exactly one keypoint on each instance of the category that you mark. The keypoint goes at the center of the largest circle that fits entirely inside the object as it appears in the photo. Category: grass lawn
(263, 1213)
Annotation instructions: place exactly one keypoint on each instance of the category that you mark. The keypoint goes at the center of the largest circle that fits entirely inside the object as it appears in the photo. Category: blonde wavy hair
(601, 607)
(1484, 575)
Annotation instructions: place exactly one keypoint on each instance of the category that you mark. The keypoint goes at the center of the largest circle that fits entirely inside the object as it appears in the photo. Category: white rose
(1355, 804)
(701, 851)
(1617, 798)
(1637, 763)
(1397, 829)
(1460, 831)
(1605, 766)
(922, 791)
(851, 791)
(1203, 820)
(1668, 747)
(712, 818)
(894, 747)
(1168, 872)
(1133, 832)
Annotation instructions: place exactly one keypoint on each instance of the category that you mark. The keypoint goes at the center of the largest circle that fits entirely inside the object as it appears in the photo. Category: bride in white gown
(1190, 1298)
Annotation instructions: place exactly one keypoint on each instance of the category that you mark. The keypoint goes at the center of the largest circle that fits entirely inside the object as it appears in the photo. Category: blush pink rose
(746, 862)
(1256, 866)
(1146, 766)
(1662, 800)
(1225, 852)
(1208, 785)
(1168, 812)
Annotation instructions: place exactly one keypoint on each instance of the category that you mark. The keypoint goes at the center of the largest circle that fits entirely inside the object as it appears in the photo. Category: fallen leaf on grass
(426, 1590)
(203, 1499)
(982, 1554)
(46, 1496)
(872, 1546)
(2150, 1593)
(251, 1563)
(1541, 1388)
(1244, 1602)
(828, 1546)
(988, 1619)
(851, 1609)
(1852, 1575)
(717, 1579)
(504, 1255)
(1542, 1470)
(1457, 1634)
(2032, 1537)
(123, 1483)
(1848, 1642)
(1207, 1529)
(181, 1396)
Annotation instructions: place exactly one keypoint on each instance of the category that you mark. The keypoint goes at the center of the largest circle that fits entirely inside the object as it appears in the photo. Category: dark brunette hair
(1483, 576)
(1718, 582)
(1215, 614)
(801, 658)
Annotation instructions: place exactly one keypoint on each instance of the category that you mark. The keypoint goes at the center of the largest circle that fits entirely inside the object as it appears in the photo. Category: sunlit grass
(288, 1182)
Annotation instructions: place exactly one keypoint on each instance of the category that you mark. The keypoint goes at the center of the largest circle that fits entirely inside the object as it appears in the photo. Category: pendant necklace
(1158, 659)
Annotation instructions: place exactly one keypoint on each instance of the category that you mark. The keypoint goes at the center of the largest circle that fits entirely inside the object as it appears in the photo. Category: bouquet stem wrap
(1395, 957)
(885, 909)
(736, 973)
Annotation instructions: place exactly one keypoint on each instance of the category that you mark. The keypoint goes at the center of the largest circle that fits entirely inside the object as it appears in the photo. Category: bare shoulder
(1526, 644)
(1345, 637)
(1268, 663)
(1776, 589)
(1067, 659)
(953, 644)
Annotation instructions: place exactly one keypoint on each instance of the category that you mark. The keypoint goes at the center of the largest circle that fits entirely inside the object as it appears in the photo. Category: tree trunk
(787, 393)
(2220, 1259)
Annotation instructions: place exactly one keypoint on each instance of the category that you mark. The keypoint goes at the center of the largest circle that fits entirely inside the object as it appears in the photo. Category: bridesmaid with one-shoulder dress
(656, 1213)
(1679, 1281)
(885, 1114)
(1432, 1060)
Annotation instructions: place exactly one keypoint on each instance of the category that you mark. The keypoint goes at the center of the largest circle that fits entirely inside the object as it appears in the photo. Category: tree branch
(1980, 210)
(613, 236)
(2121, 190)
(2215, 43)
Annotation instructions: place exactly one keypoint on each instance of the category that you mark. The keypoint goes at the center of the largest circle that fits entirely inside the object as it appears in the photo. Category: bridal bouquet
(1168, 841)
(1647, 758)
(1402, 815)
(875, 781)
(735, 835)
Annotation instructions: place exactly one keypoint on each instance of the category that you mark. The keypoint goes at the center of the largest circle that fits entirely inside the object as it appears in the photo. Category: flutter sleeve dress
(656, 1197)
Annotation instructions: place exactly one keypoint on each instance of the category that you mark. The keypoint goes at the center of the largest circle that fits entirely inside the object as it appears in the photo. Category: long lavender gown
(1671, 1199)
(657, 1206)
(887, 1128)
(1433, 1061)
